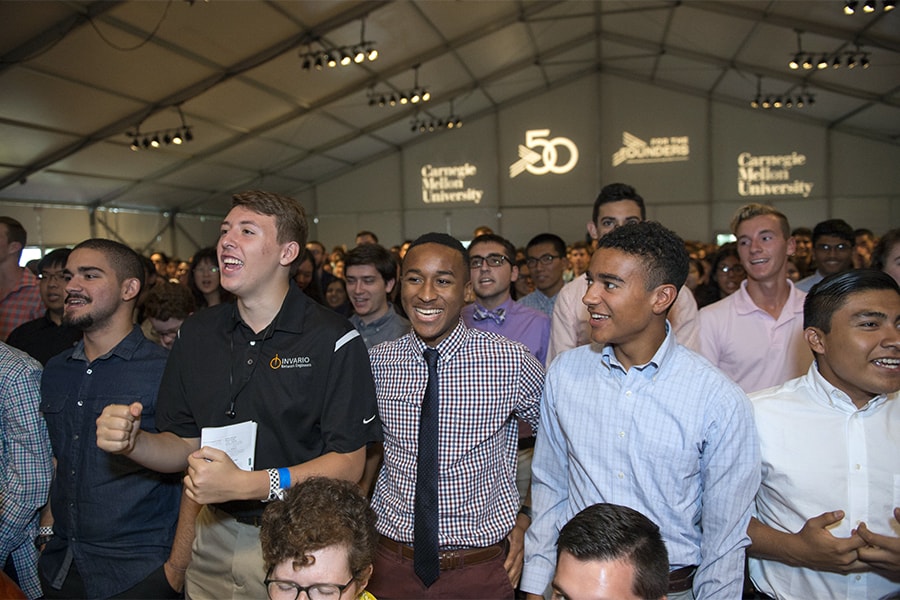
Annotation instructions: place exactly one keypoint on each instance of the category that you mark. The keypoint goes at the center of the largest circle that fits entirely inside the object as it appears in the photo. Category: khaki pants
(226, 561)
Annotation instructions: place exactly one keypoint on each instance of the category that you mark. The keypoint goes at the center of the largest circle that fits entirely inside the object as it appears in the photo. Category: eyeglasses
(493, 260)
(546, 259)
(206, 270)
(60, 277)
(288, 590)
(736, 269)
(837, 247)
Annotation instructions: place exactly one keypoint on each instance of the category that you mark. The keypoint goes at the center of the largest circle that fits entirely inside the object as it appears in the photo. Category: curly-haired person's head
(315, 514)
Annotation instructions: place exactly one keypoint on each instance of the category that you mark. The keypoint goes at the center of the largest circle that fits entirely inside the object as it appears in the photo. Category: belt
(255, 521)
(451, 559)
(526, 442)
(681, 580)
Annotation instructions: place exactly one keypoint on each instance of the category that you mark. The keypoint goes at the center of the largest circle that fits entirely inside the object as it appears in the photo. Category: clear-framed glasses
(736, 269)
(545, 259)
(493, 260)
(45, 276)
(288, 590)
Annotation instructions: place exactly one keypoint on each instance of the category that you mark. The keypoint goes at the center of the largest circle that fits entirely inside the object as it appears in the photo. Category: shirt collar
(377, 322)
(290, 316)
(660, 357)
(828, 395)
(447, 347)
(124, 349)
(744, 304)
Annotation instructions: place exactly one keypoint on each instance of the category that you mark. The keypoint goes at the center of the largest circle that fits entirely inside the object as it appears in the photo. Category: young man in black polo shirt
(298, 370)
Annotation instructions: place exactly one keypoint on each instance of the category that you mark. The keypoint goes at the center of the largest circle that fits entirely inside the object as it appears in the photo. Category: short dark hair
(372, 254)
(317, 513)
(616, 192)
(15, 232)
(559, 245)
(57, 258)
(607, 532)
(169, 300)
(369, 233)
(662, 251)
(829, 295)
(487, 238)
(444, 240)
(884, 247)
(125, 262)
(863, 231)
(806, 231)
(583, 245)
(838, 228)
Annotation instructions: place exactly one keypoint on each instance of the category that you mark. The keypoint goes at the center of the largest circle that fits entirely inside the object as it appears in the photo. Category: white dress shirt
(820, 453)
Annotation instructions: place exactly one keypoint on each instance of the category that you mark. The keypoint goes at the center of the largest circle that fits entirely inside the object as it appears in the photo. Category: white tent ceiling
(76, 76)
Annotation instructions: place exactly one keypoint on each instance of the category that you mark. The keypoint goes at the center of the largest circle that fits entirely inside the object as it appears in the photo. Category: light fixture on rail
(160, 137)
(809, 61)
(453, 121)
(787, 100)
(851, 7)
(415, 95)
(332, 56)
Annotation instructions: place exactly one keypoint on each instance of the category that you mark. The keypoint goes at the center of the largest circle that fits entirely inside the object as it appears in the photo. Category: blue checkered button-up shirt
(25, 467)
(485, 382)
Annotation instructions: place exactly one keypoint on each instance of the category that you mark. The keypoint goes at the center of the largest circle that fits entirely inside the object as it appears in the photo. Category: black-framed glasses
(493, 260)
(44, 276)
(544, 259)
(278, 589)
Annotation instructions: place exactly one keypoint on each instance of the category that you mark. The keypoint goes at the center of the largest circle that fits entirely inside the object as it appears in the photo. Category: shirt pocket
(52, 404)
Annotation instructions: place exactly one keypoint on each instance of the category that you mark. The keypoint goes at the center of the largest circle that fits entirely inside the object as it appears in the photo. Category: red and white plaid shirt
(21, 305)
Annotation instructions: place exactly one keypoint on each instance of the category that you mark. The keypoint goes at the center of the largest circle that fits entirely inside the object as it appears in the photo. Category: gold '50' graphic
(548, 156)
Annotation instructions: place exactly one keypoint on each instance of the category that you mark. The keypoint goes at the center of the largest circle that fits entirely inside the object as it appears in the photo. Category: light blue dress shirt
(673, 439)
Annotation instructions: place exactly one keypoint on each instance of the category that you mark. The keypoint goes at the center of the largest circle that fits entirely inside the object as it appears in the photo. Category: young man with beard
(639, 420)
(446, 497)
(114, 520)
(828, 510)
(276, 358)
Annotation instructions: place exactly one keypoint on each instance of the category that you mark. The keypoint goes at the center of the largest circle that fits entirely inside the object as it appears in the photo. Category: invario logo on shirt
(294, 362)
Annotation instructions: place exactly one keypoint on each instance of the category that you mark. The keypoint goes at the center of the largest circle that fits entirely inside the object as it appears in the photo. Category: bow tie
(496, 315)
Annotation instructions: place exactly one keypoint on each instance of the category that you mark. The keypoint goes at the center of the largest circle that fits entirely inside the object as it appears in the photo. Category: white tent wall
(695, 193)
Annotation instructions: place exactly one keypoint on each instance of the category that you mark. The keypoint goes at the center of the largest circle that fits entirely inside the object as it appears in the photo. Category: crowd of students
(421, 373)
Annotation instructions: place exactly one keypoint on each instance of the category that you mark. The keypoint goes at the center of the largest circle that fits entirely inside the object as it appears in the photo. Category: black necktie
(425, 560)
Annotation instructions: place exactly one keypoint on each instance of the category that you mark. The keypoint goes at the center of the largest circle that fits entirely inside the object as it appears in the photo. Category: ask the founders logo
(635, 151)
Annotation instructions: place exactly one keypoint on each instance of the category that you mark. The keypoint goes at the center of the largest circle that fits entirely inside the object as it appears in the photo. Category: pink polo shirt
(747, 344)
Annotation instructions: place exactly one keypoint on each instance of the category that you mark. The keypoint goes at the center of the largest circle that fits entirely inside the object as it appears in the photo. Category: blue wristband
(285, 475)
